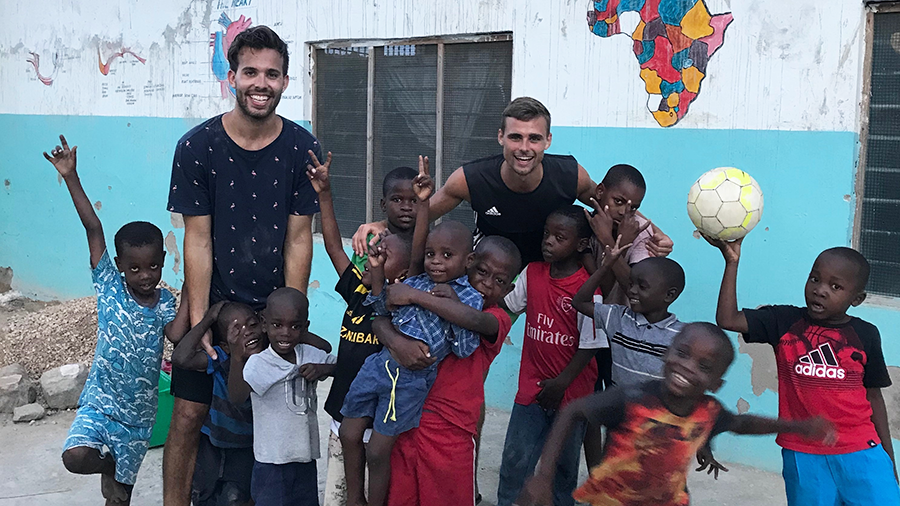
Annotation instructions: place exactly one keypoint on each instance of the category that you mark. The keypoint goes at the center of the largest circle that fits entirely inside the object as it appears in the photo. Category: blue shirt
(124, 376)
(418, 323)
(228, 425)
(250, 195)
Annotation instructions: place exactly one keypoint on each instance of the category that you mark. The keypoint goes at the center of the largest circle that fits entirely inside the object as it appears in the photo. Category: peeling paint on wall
(172, 249)
(98, 205)
(742, 406)
(177, 220)
(763, 371)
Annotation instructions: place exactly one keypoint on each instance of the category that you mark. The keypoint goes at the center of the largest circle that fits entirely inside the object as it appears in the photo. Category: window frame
(371, 44)
(871, 9)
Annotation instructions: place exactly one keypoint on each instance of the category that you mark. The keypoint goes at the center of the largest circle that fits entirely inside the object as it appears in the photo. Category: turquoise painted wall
(807, 178)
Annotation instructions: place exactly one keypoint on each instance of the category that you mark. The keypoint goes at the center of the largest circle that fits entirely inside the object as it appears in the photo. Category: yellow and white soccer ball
(725, 203)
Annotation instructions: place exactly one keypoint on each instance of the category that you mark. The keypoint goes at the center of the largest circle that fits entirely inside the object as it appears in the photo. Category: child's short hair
(457, 229)
(524, 109)
(137, 234)
(290, 296)
(258, 37)
(623, 172)
(220, 329)
(505, 246)
(576, 213)
(726, 347)
(398, 174)
(856, 258)
(671, 273)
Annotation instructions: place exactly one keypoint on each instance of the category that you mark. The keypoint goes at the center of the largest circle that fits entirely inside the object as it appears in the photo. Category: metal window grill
(879, 234)
(438, 99)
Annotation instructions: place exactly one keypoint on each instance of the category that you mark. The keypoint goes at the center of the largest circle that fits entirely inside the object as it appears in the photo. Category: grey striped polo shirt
(637, 346)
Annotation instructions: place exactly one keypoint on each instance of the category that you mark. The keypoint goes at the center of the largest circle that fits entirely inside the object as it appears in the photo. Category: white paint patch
(628, 21)
(653, 102)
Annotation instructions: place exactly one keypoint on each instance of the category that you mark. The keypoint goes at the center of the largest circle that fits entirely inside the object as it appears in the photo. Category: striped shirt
(637, 346)
(228, 425)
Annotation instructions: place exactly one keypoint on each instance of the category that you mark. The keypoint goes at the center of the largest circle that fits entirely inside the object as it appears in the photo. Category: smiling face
(252, 337)
(616, 198)
(399, 206)
(447, 254)
(142, 267)
(695, 363)
(258, 82)
(561, 239)
(832, 287)
(524, 143)
(285, 324)
(649, 293)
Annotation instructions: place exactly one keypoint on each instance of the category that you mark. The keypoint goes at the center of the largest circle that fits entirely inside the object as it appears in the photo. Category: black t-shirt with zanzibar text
(357, 339)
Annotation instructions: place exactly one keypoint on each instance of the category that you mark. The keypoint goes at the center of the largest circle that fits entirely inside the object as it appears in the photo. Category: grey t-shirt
(637, 346)
(285, 427)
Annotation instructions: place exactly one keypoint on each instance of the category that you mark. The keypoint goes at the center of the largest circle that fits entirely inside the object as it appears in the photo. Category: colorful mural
(220, 41)
(35, 61)
(104, 67)
(673, 42)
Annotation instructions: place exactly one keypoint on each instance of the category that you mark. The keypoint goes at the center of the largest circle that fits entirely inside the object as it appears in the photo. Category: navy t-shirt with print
(249, 195)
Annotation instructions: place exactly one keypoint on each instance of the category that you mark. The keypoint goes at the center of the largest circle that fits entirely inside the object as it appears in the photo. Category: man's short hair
(398, 174)
(137, 234)
(258, 37)
(856, 258)
(623, 172)
(524, 109)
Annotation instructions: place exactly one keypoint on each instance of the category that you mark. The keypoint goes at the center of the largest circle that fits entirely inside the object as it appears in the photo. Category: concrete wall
(780, 99)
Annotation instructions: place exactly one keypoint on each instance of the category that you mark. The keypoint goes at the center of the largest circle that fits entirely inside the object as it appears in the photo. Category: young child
(225, 453)
(281, 382)
(638, 335)
(117, 407)
(357, 339)
(555, 353)
(441, 449)
(398, 203)
(654, 429)
(830, 364)
(384, 391)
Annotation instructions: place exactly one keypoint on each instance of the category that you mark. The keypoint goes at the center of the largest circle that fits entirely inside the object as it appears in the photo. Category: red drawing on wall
(35, 61)
(104, 67)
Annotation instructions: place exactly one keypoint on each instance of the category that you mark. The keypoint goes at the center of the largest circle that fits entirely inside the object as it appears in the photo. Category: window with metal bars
(879, 221)
(380, 107)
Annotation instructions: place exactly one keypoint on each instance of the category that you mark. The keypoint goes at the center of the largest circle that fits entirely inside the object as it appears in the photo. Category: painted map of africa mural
(673, 42)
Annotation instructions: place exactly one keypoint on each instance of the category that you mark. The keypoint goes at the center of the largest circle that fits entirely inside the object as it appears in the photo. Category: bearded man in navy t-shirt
(239, 180)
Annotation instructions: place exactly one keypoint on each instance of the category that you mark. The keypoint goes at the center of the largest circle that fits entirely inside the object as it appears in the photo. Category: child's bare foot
(112, 490)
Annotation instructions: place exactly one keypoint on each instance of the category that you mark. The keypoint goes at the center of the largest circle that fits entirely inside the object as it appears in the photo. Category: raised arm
(423, 186)
(319, 177)
(64, 159)
(583, 300)
(727, 315)
(450, 195)
(198, 266)
(298, 252)
(188, 354)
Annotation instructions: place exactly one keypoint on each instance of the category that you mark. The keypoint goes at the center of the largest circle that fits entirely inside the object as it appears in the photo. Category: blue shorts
(126, 443)
(860, 478)
(291, 484)
(389, 393)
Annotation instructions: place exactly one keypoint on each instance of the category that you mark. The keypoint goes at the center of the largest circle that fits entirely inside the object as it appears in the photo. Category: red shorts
(424, 460)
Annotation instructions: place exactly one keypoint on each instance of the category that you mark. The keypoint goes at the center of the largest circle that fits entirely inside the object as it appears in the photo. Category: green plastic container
(164, 412)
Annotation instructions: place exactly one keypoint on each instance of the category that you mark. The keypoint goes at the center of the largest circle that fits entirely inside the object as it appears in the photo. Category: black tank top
(519, 216)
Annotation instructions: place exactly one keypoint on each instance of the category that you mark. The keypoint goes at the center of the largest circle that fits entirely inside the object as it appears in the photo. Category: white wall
(784, 65)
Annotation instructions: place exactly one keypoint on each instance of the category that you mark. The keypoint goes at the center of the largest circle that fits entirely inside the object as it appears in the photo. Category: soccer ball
(725, 203)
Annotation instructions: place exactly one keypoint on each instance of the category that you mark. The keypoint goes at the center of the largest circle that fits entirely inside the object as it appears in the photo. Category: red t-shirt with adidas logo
(822, 371)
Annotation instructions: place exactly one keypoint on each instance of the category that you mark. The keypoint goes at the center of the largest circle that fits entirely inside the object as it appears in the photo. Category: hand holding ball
(725, 203)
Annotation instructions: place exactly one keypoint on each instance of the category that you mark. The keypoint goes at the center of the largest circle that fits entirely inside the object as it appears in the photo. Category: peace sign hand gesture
(423, 185)
(318, 173)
